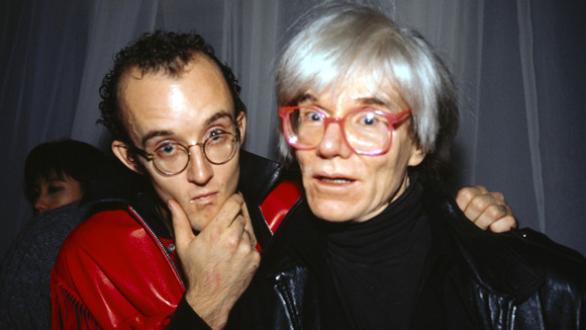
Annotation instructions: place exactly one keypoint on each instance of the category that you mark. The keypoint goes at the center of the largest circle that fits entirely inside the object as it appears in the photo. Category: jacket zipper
(283, 291)
(159, 244)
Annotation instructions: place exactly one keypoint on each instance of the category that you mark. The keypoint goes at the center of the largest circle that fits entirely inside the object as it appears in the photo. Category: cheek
(76, 191)
(303, 159)
(168, 188)
(389, 177)
(230, 175)
(73, 196)
(304, 162)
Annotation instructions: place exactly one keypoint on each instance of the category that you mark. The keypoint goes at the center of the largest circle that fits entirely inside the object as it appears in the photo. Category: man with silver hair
(180, 253)
(369, 112)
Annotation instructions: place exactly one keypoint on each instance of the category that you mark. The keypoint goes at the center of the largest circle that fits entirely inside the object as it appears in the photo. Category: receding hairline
(135, 72)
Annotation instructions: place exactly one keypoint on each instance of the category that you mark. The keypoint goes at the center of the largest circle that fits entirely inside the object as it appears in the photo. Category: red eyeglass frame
(394, 119)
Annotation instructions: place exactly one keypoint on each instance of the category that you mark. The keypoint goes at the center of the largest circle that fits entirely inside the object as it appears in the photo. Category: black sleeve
(186, 318)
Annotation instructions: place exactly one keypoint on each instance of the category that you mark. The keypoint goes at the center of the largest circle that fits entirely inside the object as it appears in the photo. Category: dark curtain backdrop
(519, 65)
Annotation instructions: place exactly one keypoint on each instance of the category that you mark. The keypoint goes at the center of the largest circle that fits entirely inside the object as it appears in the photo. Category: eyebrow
(208, 121)
(372, 101)
(217, 116)
(305, 97)
(153, 134)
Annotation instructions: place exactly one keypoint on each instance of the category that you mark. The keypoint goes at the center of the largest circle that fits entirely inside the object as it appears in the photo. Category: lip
(333, 180)
(204, 198)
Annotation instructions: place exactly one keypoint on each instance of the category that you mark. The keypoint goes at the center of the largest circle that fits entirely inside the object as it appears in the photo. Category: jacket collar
(497, 262)
(297, 242)
(258, 176)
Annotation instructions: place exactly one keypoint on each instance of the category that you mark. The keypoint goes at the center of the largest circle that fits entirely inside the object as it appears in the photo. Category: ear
(417, 156)
(120, 150)
(241, 122)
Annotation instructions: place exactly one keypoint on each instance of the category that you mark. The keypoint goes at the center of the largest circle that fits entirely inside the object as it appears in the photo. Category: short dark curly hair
(160, 51)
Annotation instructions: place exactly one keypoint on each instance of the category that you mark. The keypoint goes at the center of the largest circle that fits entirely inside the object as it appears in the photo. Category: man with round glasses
(172, 158)
(175, 116)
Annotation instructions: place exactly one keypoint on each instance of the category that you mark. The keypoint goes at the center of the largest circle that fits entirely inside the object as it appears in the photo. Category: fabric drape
(519, 66)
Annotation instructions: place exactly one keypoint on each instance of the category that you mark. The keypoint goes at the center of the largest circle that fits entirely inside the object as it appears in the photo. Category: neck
(382, 237)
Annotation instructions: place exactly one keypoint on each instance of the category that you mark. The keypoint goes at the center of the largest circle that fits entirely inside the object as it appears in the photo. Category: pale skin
(232, 259)
(214, 237)
(482, 207)
(342, 186)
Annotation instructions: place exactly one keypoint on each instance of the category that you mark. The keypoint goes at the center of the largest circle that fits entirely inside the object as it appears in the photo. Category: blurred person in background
(61, 179)
(59, 173)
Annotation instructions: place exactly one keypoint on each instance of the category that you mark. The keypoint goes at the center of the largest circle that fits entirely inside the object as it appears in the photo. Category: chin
(332, 211)
(199, 218)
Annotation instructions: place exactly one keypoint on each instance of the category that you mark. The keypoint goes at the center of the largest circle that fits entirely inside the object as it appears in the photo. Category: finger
(233, 234)
(491, 214)
(181, 226)
(228, 212)
(248, 225)
(246, 240)
(478, 205)
(249, 239)
(504, 224)
(467, 194)
(246, 247)
(498, 196)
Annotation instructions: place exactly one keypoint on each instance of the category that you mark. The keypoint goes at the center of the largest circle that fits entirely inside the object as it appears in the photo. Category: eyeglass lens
(366, 131)
(172, 158)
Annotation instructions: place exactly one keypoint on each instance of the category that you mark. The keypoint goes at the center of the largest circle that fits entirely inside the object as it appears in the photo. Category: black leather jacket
(475, 279)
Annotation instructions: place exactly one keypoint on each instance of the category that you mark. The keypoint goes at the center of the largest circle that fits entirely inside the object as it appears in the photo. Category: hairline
(127, 75)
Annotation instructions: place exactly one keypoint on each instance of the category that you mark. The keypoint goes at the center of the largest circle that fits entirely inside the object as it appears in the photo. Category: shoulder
(112, 233)
(114, 245)
(37, 245)
(50, 228)
(559, 264)
(103, 224)
(517, 263)
(113, 268)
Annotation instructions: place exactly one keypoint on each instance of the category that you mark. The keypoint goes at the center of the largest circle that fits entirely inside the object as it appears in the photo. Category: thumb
(181, 226)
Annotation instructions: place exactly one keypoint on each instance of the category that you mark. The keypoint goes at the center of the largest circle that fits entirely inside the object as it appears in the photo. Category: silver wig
(337, 43)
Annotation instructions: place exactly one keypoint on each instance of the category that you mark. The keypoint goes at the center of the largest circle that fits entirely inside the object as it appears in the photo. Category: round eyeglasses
(367, 131)
(172, 158)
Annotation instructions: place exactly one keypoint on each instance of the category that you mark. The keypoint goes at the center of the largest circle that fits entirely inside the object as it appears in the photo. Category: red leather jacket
(117, 270)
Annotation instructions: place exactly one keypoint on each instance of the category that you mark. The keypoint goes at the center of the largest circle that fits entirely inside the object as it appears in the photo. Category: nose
(200, 170)
(333, 143)
(41, 205)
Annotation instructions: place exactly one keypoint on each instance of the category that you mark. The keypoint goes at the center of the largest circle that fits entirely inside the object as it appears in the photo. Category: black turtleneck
(373, 269)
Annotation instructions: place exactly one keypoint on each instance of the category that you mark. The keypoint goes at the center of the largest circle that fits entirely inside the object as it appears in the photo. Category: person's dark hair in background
(58, 175)
(60, 172)
(168, 52)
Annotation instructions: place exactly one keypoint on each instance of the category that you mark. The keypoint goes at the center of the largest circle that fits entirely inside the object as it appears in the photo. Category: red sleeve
(112, 272)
